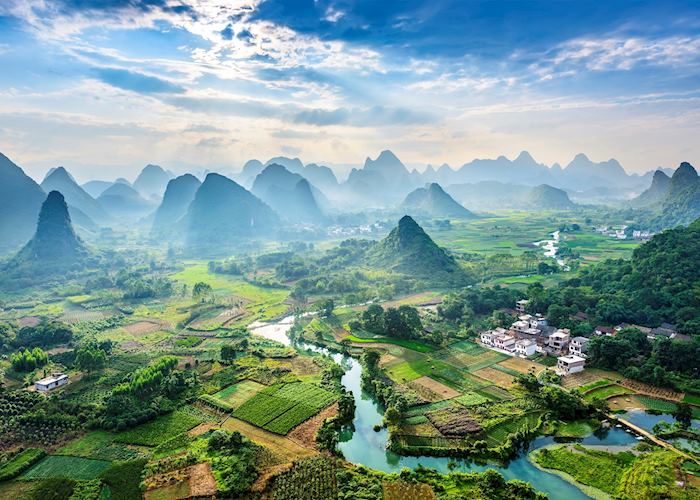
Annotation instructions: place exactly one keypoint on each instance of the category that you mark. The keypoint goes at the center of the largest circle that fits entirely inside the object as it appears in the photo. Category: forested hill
(661, 282)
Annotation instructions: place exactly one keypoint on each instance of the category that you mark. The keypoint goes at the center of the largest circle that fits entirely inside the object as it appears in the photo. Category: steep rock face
(152, 181)
(656, 193)
(682, 203)
(20, 202)
(176, 200)
(434, 201)
(55, 244)
(545, 197)
(223, 214)
(289, 194)
(60, 180)
(408, 249)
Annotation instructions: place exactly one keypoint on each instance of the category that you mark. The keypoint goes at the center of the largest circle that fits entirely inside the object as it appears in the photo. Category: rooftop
(55, 377)
(571, 358)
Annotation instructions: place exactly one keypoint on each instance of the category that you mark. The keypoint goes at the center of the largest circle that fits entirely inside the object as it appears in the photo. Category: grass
(19, 463)
(408, 344)
(693, 399)
(594, 385)
(123, 480)
(577, 429)
(77, 468)
(599, 469)
(238, 393)
(155, 432)
(98, 444)
(607, 392)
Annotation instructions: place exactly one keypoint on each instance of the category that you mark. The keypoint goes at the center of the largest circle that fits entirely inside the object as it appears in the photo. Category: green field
(606, 392)
(282, 407)
(657, 404)
(408, 344)
(100, 445)
(238, 393)
(155, 432)
(77, 468)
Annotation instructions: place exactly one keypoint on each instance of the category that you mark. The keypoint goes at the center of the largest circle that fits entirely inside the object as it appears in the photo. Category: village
(531, 335)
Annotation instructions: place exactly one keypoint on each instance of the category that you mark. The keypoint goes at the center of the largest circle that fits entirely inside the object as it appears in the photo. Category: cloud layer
(336, 80)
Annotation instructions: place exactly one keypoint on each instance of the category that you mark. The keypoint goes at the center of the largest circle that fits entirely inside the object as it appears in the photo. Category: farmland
(78, 468)
(280, 408)
(154, 433)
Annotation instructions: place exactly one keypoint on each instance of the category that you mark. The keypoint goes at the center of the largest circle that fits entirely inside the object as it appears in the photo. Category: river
(551, 247)
(362, 445)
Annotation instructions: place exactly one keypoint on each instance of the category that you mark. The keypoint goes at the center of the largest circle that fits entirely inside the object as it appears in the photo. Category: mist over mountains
(284, 191)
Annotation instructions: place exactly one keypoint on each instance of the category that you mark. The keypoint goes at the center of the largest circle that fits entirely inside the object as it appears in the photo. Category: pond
(362, 445)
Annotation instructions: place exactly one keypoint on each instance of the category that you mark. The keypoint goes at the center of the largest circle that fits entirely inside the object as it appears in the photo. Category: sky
(104, 87)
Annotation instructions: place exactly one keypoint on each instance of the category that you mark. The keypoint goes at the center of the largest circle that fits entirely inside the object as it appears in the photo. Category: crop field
(476, 360)
(77, 468)
(155, 432)
(498, 434)
(238, 393)
(280, 446)
(408, 344)
(433, 388)
(693, 399)
(471, 399)
(521, 365)
(494, 392)
(498, 377)
(607, 392)
(656, 404)
(282, 407)
(100, 445)
(402, 490)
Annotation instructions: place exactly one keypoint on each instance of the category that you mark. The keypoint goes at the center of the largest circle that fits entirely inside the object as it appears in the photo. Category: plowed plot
(521, 365)
(453, 422)
(474, 362)
(400, 490)
(141, 328)
(202, 482)
(286, 449)
(497, 377)
(432, 389)
(579, 379)
(650, 390)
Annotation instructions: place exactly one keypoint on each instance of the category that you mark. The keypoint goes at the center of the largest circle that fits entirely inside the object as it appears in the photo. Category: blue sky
(106, 86)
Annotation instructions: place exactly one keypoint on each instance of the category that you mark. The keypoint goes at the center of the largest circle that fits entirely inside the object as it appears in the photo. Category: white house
(559, 340)
(50, 383)
(579, 346)
(525, 347)
(566, 365)
(487, 337)
(504, 341)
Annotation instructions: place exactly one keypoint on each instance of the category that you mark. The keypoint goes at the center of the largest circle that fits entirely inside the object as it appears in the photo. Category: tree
(90, 358)
(228, 353)
(392, 415)
(683, 415)
(373, 319)
(326, 307)
(201, 290)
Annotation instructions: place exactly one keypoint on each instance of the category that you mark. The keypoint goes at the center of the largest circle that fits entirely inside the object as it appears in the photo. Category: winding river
(362, 445)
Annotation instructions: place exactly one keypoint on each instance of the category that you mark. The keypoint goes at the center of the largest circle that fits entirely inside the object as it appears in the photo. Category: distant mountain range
(492, 195)
(59, 179)
(433, 201)
(288, 193)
